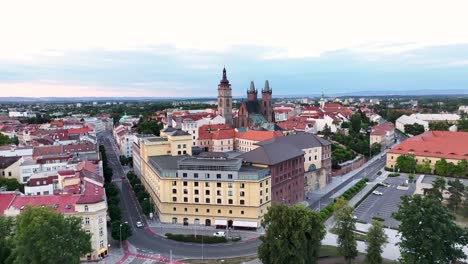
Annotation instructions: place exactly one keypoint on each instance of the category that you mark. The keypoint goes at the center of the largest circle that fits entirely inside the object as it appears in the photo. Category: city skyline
(126, 50)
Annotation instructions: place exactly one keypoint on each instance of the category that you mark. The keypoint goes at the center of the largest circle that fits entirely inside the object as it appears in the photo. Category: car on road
(122, 177)
(139, 224)
(219, 234)
(377, 193)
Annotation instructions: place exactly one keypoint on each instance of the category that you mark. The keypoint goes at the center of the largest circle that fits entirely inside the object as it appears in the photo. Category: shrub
(394, 175)
(198, 239)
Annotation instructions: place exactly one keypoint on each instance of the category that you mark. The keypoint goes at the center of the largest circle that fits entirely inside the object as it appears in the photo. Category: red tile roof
(66, 172)
(79, 131)
(382, 129)
(439, 144)
(61, 201)
(5, 201)
(256, 135)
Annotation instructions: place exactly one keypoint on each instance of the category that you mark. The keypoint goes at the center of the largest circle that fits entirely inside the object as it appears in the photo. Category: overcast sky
(178, 48)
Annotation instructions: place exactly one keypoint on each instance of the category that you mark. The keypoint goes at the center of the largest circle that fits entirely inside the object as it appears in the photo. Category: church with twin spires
(255, 113)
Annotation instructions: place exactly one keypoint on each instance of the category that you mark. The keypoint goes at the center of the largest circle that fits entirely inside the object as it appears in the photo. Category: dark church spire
(224, 80)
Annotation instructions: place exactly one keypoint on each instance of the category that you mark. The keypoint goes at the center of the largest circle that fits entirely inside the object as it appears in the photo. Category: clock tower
(225, 99)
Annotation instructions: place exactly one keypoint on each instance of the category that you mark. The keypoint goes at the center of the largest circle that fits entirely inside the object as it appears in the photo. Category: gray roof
(165, 162)
(271, 154)
(6, 162)
(299, 140)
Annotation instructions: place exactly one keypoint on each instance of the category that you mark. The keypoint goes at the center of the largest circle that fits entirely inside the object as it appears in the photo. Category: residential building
(432, 146)
(317, 157)
(449, 118)
(410, 120)
(210, 189)
(286, 168)
(10, 167)
(383, 134)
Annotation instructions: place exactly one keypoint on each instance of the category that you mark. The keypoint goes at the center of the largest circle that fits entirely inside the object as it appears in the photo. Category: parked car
(219, 234)
(377, 193)
(139, 224)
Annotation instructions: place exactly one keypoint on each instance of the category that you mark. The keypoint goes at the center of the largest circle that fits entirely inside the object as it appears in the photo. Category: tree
(463, 124)
(462, 168)
(4, 140)
(456, 189)
(424, 168)
(6, 232)
(440, 167)
(440, 126)
(10, 184)
(406, 163)
(344, 227)
(428, 232)
(376, 239)
(326, 131)
(293, 235)
(414, 129)
(376, 148)
(15, 140)
(117, 227)
(149, 127)
(355, 123)
(45, 236)
(438, 187)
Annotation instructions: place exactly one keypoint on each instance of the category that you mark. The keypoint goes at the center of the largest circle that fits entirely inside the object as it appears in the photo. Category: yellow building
(211, 189)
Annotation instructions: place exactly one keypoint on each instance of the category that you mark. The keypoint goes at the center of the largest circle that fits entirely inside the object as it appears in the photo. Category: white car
(219, 234)
(377, 193)
(139, 224)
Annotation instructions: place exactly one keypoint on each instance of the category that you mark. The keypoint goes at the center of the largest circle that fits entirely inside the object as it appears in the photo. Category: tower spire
(224, 80)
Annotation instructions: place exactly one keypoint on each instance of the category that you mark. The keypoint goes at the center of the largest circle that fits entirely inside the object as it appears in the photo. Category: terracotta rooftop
(382, 129)
(257, 135)
(439, 144)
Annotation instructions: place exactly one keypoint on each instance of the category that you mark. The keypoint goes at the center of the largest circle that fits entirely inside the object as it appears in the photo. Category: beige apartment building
(211, 189)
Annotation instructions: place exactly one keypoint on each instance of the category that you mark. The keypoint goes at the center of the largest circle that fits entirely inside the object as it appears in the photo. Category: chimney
(169, 118)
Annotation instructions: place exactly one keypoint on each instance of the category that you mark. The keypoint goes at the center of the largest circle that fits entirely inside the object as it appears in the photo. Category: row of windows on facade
(218, 201)
(218, 192)
(208, 211)
(183, 146)
(218, 184)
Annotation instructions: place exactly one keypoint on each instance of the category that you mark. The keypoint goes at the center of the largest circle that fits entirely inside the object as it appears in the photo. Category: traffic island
(196, 239)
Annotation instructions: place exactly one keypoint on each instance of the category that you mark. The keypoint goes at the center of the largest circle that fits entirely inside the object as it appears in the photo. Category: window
(315, 157)
(86, 220)
(266, 182)
(266, 190)
(195, 175)
(261, 184)
(86, 208)
(230, 201)
(185, 200)
(179, 152)
(101, 232)
(174, 209)
(178, 146)
(261, 192)
(184, 175)
(266, 199)
(242, 194)
(207, 192)
(196, 191)
(185, 183)
(101, 243)
(207, 175)
(229, 176)
(218, 192)
(310, 158)
(261, 201)
(218, 176)
(230, 211)
(207, 210)
(219, 211)
(174, 183)
(218, 184)
(174, 191)
(100, 219)
(207, 200)
(197, 200)
(185, 209)
(184, 146)
(185, 191)
(196, 210)
(218, 201)
(242, 185)
(242, 202)
(185, 152)
(242, 212)
(195, 184)
(207, 184)
(229, 193)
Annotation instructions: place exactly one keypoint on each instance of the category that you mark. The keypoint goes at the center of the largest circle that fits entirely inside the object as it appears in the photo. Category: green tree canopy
(344, 227)
(45, 236)
(149, 127)
(293, 235)
(6, 233)
(456, 189)
(414, 129)
(428, 232)
(406, 163)
(5, 140)
(438, 187)
(376, 239)
(10, 184)
(439, 126)
(117, 228)
(424, 168)
(376, 148)
(440, 167)
(355, 123)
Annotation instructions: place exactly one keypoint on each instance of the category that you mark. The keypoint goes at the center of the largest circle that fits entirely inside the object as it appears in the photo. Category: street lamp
(121, 233)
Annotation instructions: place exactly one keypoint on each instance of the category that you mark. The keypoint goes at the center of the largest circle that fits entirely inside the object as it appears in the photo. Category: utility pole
(170, 257)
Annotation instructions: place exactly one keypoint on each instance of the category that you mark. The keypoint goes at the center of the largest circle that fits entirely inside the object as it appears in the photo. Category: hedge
(326, 212)
(198, 239)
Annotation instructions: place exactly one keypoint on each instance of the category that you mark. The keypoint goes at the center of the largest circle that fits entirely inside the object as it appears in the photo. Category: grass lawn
(328, 254)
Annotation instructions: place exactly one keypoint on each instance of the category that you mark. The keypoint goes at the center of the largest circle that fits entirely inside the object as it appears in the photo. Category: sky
(178, 48)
